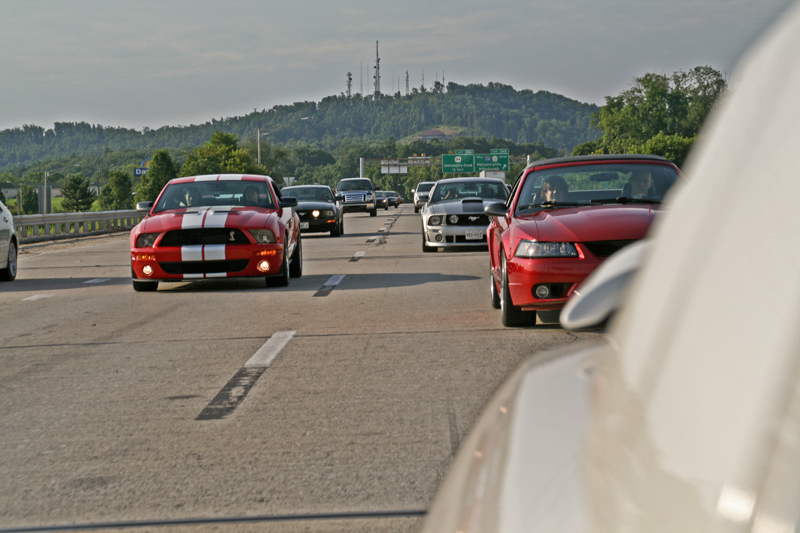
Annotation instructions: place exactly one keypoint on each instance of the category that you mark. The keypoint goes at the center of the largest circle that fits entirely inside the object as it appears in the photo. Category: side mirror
(288, 202)
(339, 197)
(423, 197)
(496, 209)
(144, 206)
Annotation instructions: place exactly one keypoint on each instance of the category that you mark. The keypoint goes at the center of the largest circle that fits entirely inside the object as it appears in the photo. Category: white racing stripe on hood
(215, 219)
(193, 220)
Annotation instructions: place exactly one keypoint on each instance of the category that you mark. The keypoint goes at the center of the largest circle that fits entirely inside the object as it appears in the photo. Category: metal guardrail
(31, 228)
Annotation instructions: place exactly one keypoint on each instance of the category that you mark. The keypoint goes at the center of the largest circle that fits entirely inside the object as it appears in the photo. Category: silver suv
(357, 194)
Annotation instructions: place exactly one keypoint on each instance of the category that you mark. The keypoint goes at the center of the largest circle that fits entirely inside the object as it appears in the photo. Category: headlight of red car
(146, 240)
(263, 236)
(546, 249)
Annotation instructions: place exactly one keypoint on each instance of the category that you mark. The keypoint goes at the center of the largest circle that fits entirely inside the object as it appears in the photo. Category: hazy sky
(180, 62)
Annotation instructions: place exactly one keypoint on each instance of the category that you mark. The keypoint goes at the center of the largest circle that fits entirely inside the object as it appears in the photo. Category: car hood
(591, 223)
(207, 217)
(457, 208)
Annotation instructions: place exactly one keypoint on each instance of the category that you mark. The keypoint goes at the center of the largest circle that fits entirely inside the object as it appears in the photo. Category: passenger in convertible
(554, 189)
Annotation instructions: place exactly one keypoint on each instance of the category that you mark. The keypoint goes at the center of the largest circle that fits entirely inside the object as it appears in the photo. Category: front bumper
(317, 225)
(563, 275)
(455, 236)
(197, 262)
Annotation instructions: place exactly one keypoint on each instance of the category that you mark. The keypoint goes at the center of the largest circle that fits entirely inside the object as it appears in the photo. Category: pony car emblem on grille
(233, 236)
(473, 219)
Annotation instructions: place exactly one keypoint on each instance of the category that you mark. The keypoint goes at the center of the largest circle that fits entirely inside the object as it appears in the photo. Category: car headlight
(263, 236)
(315, 213)
(146, 240)
(435, 220)
(327, 213)
(453, 219)
(546, 249)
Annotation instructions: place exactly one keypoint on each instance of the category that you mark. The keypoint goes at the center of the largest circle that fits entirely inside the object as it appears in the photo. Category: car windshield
(226, 193)
(459, 190)
(308, 194)
(354, 185)
(425, 187)
(596, 184)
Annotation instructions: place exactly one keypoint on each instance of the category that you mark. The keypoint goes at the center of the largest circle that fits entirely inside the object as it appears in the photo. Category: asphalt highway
(341, 396)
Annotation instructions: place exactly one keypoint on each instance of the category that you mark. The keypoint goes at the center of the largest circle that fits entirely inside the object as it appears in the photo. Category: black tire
(296, 265)
(416, 209)
(425, 247)
(374, 212)
(282, 278)
(143, 286)
(337, 231)
(386, 208)
(9, 273)
(511, 315)
(494, 293)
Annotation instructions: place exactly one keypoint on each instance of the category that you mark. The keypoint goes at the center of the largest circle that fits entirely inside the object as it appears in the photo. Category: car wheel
(143, 286)
(296, 266)
(416, 209)
(282, 279)
(9, 273)
(494, 293)
(511, 315)
(386, 208)
(374, 212)
(425, 247)
(335, 232)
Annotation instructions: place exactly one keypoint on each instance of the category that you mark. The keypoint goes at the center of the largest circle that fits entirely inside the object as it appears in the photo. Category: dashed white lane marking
(359, 254)
(270, 349)
(36, 297)
(334, 280)
(98, 280)
(371, 239)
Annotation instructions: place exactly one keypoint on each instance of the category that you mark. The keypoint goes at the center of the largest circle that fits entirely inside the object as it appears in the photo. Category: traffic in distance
(561, 219)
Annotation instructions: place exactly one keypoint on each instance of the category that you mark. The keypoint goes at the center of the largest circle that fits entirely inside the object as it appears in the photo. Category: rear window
(227, 193)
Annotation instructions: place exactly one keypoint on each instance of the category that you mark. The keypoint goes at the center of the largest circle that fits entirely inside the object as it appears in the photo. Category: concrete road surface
(121, 406)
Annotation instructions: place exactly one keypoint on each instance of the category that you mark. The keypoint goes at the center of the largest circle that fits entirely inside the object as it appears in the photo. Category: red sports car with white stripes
(217, 226)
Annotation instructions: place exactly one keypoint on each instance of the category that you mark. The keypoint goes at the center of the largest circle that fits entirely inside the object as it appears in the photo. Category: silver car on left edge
(9, 247)
(453, 214)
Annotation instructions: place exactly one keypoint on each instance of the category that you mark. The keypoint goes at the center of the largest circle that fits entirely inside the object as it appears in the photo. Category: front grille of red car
(606, 248)
(189, 237)
(204, 267)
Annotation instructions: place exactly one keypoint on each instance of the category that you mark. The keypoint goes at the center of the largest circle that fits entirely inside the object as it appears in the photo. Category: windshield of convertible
(596, 184)
(450, 191)
(226, 193)
(308, 194)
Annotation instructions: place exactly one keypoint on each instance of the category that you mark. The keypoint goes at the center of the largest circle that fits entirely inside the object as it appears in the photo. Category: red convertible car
(562, 219)
(217, 226)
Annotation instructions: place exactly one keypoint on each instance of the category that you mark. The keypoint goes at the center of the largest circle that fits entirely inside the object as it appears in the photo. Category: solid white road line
(270, 349)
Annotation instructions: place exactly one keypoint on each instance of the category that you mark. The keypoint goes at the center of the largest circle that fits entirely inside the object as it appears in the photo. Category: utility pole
(361, 71)
(349, 83)
(406, 83)
(377, 94)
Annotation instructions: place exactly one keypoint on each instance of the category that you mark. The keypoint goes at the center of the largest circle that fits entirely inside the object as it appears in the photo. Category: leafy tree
(29, 198)
(116, 194)
(162, 169)
(659, 114)
(78, 197)
(220, 155)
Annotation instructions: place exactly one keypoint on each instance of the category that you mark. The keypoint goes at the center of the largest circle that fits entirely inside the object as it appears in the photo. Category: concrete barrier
(33, 228)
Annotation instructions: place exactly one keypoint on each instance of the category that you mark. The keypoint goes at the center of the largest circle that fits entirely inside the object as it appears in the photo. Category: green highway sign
(499, 151)
(497, 161)
(465, 152)
(458, 163)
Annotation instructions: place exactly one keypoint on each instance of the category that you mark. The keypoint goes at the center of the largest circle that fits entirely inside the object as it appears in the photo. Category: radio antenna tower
(361, 73)
(406, 83)
(349, 83)
(377, 76)
(444, 85)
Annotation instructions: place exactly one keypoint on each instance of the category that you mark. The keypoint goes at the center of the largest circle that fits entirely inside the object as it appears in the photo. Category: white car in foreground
(687, 418)
(9, 246)
(452, 213)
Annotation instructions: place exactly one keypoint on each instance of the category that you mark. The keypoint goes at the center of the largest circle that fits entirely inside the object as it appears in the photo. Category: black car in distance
(318, 209)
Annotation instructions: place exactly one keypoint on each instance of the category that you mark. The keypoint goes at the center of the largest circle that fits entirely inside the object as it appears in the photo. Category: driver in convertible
(554, 189)
(641, 184)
